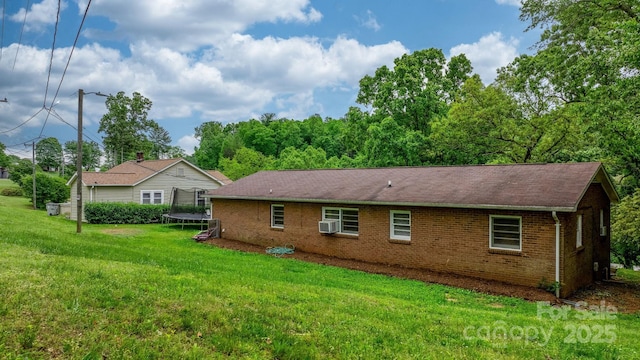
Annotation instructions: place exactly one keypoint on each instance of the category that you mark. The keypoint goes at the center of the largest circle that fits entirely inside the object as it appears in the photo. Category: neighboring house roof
(131, 173)
(220, 177)
(558, 187)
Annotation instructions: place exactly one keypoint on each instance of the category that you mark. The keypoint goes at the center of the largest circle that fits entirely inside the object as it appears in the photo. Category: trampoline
(185, 208)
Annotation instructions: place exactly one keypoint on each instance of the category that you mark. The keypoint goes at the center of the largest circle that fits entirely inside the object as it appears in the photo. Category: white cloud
(40, 15)
(488, 54)
(188, 25)
(510, 2)
(369, 21)
(192, 60)
(188, 143)
(233, 82)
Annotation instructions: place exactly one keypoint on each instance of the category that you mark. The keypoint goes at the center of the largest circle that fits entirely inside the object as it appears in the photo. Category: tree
(48, 189)
(174, 152)
(91, 154)
(625, 230)
(588, 54)
(4, 159)
(499, 124)
(418, 89)
(49, 154)
(389, 144)
(309, 158)
(355, 130)
(125, 125)
(245, 162)
(257, 136)
(208, 152)
(160, 141)
(20, 168)
(287, 133)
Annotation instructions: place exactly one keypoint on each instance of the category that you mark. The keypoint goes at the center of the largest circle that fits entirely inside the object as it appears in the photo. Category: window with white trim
(200, 201)
(277, 216)
(579, 231)
(154, 197)
(400, 225)
(505, 232)
(347, 219)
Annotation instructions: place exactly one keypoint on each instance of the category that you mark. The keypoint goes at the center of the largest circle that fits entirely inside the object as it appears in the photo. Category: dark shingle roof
(524, 186)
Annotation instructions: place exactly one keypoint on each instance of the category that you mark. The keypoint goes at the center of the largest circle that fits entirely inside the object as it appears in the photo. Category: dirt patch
(625, 297)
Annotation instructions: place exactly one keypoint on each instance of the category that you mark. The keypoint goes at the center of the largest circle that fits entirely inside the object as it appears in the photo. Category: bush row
(119, 213)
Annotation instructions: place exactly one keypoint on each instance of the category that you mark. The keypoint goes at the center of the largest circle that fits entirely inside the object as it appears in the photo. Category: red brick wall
(578, 266)
(443, 239)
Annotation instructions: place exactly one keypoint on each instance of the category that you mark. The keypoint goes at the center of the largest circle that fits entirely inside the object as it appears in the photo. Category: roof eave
(400, 203)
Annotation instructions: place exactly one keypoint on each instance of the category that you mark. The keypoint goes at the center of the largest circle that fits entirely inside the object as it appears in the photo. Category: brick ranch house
(521, 224)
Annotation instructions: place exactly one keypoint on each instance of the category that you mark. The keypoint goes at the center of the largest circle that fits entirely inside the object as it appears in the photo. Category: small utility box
(53, 209)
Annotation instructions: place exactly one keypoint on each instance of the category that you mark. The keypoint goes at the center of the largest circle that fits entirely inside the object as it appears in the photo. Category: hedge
(124, 213)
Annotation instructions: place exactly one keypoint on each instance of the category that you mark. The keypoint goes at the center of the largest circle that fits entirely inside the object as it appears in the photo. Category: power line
(4, 6)
(22, 142)
(75, 42)
(53, 47)
(24, 21)
(23, 123)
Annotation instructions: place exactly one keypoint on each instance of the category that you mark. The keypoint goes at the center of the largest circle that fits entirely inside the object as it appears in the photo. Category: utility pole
(79, 161)
(33, 161)
(79, 166)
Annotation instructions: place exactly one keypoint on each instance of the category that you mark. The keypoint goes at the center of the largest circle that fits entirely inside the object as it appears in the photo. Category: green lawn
(151, 292)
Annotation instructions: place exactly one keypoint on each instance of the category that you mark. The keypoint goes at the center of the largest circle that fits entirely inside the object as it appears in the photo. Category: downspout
(555, 217)
(91, 194)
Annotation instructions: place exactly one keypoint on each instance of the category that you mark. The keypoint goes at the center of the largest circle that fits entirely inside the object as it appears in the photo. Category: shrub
(625, 230)
(19, 169)
(48, 189)
(121, 213)
(11, 191)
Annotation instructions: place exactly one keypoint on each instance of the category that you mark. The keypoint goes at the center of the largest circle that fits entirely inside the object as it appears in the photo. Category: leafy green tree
(354, 133)
(418, 89)
(487, 124)
(257, 136)
(160, 141)
(389, 144)
(48, 189)
(309, 158)
(245, 162)
(588, 54)
(207, 153)
(174, 152)
(20, 168)
(91, 154)
(126, 126)
(49, 154)
(625, 230)
(4, 159)
(310, 128)
(287, 133)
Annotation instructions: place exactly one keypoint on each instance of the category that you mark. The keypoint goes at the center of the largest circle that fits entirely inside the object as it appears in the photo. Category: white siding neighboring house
(143, 181)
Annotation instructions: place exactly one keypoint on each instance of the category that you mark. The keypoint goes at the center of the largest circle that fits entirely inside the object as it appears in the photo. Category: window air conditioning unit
(603, 231)
(328, 226)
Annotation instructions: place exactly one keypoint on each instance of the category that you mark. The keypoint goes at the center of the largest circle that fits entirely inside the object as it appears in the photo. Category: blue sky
(228, 61)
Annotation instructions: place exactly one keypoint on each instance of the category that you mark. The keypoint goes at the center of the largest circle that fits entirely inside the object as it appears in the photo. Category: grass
(151, 292)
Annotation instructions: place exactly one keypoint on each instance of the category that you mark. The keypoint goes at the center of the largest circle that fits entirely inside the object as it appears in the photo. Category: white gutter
(555, 217)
